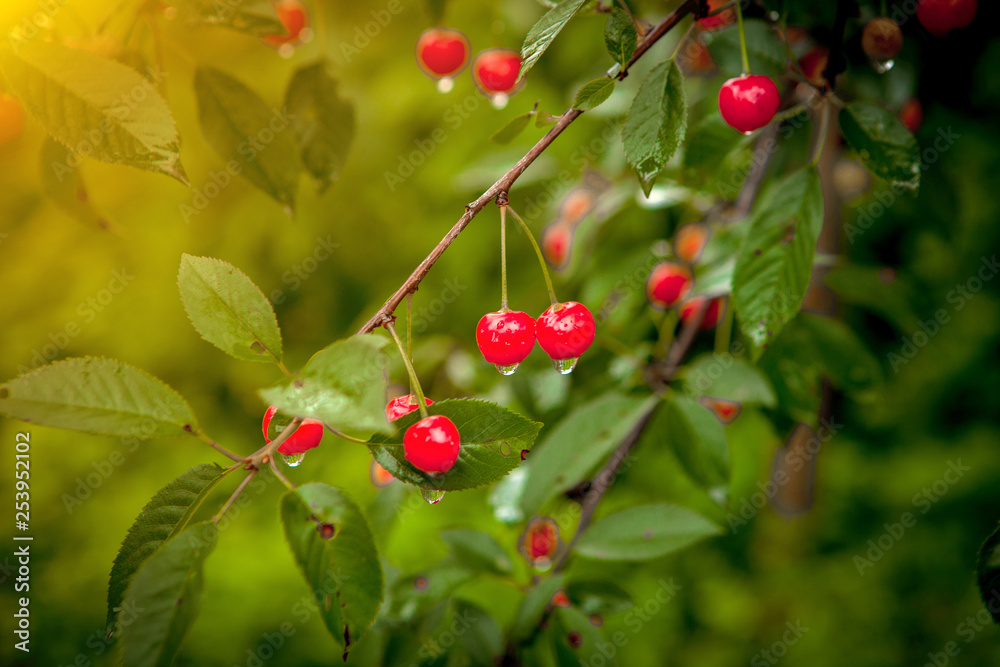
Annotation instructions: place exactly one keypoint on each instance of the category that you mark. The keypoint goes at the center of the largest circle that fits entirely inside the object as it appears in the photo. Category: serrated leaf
(885, 145)
(587, 641)
(532, 608)
(697, 439)
(101, 396)
(577, 444)
(511, 129)
(164, 597)
(477, 550)
(656, 122)
(774, 264)
(95, 106)
(255, 17)
(988, 574)
(544, 31)
(764, 50)
(322, 120)
(343, 385)
(163, 517)
(594, 93)
(228, 309)
(481, 637)
(64, 185)
(241, 127)
(493, 439)
(644, 532)
(620, 36)
(334, 548)
(729, 378)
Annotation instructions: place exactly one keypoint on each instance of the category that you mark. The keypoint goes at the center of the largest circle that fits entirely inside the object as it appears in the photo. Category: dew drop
(747, 133)
(293, 460)
(505, 448)
(445, 84)
(499, 100)
(882, 66)
(507, 370)
(432, 496)
(565, 366)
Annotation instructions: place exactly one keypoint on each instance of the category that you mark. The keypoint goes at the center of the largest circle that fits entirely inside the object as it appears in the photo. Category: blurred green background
(739, 590)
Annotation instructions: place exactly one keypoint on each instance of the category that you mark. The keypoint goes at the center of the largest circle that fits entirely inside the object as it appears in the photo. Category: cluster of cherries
(443, 53)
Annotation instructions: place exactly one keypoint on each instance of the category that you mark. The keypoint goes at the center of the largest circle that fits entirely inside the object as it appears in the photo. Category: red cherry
(560, 599)
(576, 205)
(495, 71)
(506, 338)
(442, 52)
(749, 102)
(882, 39)
(540, 543)
(294, 18)
(668, 283)
(305, 437)
(380, 477)
(11, 119)
(712, 313)
(814, 63)
(557, 241)
(402, 405)
(912, 114)
(690, 240)
(940, 17)
(432, 444)
(566, 330)
(720, 20)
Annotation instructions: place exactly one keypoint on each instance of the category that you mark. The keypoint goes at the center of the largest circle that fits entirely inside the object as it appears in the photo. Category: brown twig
(507, 180)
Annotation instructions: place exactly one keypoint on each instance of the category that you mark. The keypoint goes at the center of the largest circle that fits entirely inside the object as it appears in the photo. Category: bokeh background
(739, 590)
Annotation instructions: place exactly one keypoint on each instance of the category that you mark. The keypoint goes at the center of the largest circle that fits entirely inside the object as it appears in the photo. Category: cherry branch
(503, 185)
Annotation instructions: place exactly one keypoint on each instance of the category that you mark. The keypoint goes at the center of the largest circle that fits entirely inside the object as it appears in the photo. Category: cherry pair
(564, 331)
(443, 53)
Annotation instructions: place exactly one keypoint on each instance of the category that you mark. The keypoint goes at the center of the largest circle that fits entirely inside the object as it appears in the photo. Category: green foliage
(484, 638)
(342, 385)
(644, 532)
(256, 17)
(620, 36)
(575, 639)
(164, 597)
(65, 186)
(249, 134)
(883, 142)
(89, 103)
(764, 49)
(511, 129)
(493, 440)
(775, 263)
(594, 93)
(333, 545)
(729, 378)
(161, 519)
(228, 310)
(697, 439)
(988, 571)
(533, 606)
(100, 396)
(656, 122)
(540, 37)
(477, 550)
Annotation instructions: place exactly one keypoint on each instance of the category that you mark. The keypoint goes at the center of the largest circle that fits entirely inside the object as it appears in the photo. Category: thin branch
(507, 180)
(236, 494)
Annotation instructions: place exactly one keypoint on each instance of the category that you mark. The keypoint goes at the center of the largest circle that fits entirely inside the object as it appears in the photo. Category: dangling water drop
(499, 100)
(445, 84)
(565, 366)
(432, 496)
(293, 460)
(286, 51)
(882, 66)
(507, 370)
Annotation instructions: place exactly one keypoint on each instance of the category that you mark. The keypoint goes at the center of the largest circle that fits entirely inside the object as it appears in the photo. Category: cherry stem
(743, 39)
(232, 498)
(409, 330)
(414, 382)
(538, 253)
(683, 39)
(216, 446)
(280, 475)
(343, 436)
(503, 260)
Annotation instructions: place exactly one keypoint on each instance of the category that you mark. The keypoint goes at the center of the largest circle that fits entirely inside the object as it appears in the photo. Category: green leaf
(228, 310)
(656, 122)
(697, 439)
(727, 377)
(644, 532)
(101, 396)
(599, 597)
(255, 17)
(988, 571)
(544, 31)
(414, 595)
(578, 443)
(253, 138)
(343, 385)
(435, 10)
(532, 608)
(322, 120)
(594, 93)
(479, 633)
(620, 36)
(511, 129)
(774, 265)
(163, 517)
(493, 439)
(97, 107)
(477, 550)
(764, 50)
(585, 650)
(333, 545)
(64, 185)
(885, 145)
(164, 597)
